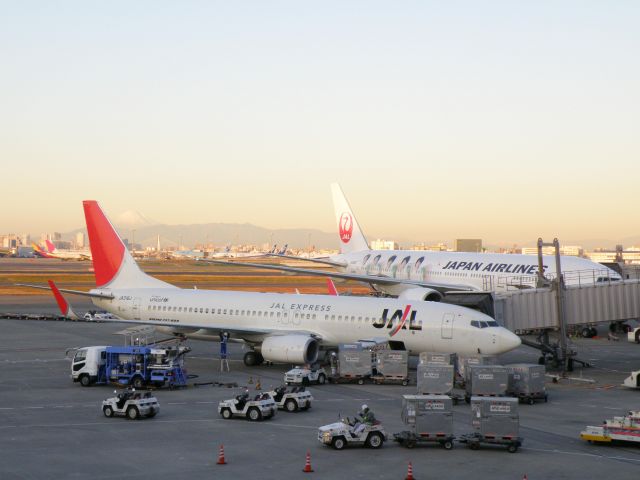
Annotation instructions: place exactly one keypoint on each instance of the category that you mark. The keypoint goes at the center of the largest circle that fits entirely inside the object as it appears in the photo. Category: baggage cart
(495, 420)
(429, 419)
(487, 380)
(435, 379)
(392, 366)
(527, 382)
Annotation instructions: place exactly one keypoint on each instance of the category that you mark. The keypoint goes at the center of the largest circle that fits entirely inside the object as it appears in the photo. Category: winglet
(351, 237)
(332, 287)
(64, 306)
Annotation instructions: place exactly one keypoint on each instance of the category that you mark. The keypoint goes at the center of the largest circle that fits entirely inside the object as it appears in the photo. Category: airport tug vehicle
(633, 380)
(341, 434)
(619, 429)
(131, 404)
(305, 376)
(298, 398)
(261, 407)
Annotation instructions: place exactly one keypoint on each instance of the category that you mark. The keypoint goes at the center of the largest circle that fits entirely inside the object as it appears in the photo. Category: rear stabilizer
(65, 307)
(351, 237)
(113, 264)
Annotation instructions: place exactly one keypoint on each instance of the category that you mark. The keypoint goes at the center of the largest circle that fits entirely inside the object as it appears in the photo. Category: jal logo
(398, 320)
(345, 227)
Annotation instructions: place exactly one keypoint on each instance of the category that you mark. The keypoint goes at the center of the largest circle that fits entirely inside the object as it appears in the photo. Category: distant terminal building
(568, 250)
(80, 241)
(440, 247)
(468, 245)
(13, 240)
(383, 245)
(629, 255)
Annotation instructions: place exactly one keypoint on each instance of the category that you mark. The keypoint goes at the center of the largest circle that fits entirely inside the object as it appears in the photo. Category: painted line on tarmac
(125, 424)
(563, 452)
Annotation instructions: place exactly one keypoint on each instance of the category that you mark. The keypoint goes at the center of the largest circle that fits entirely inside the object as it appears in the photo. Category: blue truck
(137, 366)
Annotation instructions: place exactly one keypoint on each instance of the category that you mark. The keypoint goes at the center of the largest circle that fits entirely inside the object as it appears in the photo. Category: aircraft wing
(370, 279)
(313, 260)
(74, 292)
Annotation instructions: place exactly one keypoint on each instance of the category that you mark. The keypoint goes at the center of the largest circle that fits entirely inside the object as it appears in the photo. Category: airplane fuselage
(478, 271)
(420, 326)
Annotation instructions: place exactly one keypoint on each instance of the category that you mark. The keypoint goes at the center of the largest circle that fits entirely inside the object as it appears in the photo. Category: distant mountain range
(135, 227)
(221, 234)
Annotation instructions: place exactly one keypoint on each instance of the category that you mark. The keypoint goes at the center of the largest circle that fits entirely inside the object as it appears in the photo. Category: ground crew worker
(366, 418)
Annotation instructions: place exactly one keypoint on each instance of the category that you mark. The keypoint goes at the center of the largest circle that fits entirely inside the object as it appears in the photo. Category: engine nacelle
(420, 294)
(290, 349)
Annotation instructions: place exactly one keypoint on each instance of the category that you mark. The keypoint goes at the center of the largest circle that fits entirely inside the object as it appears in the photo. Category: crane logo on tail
(345, 227)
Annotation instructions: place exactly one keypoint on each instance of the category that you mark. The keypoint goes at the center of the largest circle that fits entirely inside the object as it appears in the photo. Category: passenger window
(206, 310)
(333, 318)
(271, 314)
(308, 316)
(339, 318)
(190, 309)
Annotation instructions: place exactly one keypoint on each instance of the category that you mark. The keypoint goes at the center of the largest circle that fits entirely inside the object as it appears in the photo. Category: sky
(499, 120)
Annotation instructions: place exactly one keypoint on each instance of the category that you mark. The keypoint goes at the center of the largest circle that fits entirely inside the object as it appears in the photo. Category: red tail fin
(107, 249)
(50, 246)
(332, 287)
(62, 303)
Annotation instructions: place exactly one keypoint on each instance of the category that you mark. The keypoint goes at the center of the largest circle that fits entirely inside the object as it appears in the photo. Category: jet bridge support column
(564, 356)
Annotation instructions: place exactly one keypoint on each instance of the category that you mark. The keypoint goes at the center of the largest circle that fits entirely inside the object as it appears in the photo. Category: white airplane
(421, 275)
(286, 328)
(52, 252)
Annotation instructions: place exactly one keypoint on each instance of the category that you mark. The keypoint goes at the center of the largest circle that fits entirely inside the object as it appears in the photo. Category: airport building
(468, 245)
(383, 245)
(568, 250)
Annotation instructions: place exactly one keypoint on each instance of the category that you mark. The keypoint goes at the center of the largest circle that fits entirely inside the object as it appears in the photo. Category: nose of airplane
(508, 340)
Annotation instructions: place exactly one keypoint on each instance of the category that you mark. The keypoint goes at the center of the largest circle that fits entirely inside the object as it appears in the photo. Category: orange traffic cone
(307, 464)
(221, 460)
(258, 384)
(409, 473)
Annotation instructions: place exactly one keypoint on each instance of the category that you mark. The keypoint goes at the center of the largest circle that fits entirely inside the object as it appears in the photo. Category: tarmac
(51, 427)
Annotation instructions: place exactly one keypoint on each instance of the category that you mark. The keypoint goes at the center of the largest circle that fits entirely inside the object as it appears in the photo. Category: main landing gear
(253, 358)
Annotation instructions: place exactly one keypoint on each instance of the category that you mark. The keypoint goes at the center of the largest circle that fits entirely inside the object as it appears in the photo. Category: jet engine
(420, 294)
(290, 349)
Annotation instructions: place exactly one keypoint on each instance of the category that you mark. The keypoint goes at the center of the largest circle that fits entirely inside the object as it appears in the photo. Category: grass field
(184, 274)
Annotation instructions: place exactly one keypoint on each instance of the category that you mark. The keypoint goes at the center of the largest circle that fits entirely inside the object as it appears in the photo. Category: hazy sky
(500, 120)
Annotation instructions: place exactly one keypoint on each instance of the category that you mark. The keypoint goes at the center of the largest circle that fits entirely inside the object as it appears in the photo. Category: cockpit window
(418, 263)
(484, 323)
(376, 259)
(366, 259)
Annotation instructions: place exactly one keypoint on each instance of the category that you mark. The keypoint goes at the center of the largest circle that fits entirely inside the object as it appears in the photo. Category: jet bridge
(524, 311)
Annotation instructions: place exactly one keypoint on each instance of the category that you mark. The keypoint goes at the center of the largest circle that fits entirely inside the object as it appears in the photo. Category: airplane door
(447, 325)
(135, 309)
